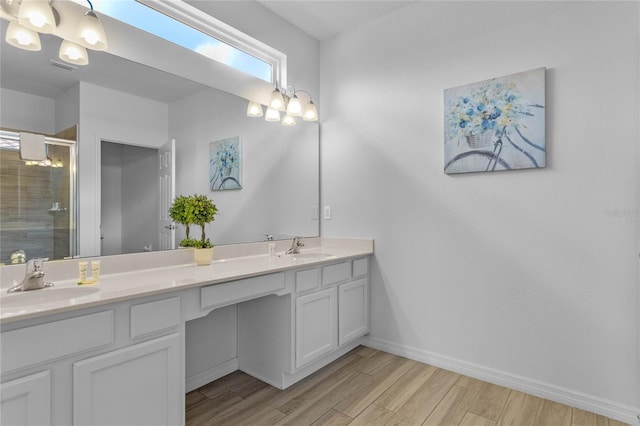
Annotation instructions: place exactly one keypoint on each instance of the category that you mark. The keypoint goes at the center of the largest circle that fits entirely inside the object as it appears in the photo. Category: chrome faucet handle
(295, 246)
(33, 277)
(35, 265)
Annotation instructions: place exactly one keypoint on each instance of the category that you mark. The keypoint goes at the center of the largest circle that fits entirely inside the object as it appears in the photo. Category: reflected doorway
(130, 199)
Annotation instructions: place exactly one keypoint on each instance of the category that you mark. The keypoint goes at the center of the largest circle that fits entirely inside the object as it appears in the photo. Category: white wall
(67, 109)
(113, 116)
(111, 199)
(527, 278)
(22, 111)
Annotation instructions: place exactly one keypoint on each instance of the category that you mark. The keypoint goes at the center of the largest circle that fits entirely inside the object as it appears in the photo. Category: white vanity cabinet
(119, 364)
(136, 385)
(27, 400)
(282, 339)
(121, 359)
(316, 325)
(353, 310)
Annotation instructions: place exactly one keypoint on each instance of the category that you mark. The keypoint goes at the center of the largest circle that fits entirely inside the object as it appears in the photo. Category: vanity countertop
(131, 284)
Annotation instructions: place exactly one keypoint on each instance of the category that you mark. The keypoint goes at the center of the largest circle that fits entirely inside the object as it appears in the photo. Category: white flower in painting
(226, 156)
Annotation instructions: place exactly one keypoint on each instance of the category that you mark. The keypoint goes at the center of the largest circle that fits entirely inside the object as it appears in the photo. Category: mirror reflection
(37, 212)
(126, 113)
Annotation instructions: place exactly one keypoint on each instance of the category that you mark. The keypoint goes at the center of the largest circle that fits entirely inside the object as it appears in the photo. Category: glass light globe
(73, 53)
(22, 38)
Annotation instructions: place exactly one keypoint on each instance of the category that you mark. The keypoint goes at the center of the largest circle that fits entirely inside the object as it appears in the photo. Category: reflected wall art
(225, 164)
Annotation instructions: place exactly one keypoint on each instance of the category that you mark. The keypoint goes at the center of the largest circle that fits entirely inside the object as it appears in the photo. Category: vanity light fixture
(288, 102)
(44, 163)
(277, 100)
(272, 114)
(310, 112)
(73, 53)
(91, 31)
(37, 15)
(254, 109)
(288, 120)
(28, 18)
(22, 37)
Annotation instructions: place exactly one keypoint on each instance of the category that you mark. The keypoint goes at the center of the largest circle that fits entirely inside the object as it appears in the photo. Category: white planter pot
(203, 256)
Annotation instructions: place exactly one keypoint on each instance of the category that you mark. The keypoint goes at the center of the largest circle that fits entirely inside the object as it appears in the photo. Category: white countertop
(117, 286)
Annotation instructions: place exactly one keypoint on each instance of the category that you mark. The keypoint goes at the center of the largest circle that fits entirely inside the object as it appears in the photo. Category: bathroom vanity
(116, 354)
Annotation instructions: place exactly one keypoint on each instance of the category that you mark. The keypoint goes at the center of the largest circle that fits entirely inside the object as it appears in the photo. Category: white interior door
(167, 179)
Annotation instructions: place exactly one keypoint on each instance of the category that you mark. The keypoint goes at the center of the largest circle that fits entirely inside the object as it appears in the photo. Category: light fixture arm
(305, 92)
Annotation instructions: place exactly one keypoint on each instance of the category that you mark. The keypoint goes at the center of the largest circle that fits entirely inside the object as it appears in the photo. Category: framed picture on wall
(496, 124)
(225, 164)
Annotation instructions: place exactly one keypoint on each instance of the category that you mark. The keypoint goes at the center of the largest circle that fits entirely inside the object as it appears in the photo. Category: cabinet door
(26, 401)
(316, 329)
(138, 385)
(353, 310)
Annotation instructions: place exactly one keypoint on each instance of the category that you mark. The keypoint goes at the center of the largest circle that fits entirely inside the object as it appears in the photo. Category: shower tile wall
(27, 194)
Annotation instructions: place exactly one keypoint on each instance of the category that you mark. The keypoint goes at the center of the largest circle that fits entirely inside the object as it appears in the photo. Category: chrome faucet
(295, 246)
(33, 277)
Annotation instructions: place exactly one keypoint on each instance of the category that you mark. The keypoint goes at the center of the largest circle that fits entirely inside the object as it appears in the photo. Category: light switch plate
(327, 212)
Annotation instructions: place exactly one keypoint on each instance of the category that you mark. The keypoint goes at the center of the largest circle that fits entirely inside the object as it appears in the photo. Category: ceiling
(32, 72)
(324, 19)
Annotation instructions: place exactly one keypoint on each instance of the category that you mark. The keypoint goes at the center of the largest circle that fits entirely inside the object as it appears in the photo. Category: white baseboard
(620, 412)
(210, 374)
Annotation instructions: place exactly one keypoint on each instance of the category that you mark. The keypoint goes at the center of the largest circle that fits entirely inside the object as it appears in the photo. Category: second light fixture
(286, 101)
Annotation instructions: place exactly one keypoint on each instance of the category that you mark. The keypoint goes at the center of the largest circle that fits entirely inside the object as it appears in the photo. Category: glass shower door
(37, 201)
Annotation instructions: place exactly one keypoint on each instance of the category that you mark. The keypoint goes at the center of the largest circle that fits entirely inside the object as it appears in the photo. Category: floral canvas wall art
(225, 164)
(496, 124)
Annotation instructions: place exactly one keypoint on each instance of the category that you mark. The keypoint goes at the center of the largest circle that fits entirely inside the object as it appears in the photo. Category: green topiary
(180, 213)
(204, 212)
(193, 210)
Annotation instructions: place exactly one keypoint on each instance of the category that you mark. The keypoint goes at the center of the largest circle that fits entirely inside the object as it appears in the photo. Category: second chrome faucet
(33, 277)
(296, 244)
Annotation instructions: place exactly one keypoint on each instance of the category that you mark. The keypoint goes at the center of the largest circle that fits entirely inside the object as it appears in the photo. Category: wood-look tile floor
(370, 387)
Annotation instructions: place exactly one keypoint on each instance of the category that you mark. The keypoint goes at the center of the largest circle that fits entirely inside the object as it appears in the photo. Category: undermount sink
(45, 295)
(310, 257)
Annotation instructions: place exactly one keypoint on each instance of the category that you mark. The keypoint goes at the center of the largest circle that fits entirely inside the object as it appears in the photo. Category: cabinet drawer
(307, 279)
(224, 294)
(360, 267)
(339, 272)
(152, 317)
(39, 343)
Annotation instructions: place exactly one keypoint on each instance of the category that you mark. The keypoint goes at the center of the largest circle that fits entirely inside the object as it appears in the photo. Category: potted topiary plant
(180, 213)
(195, 210)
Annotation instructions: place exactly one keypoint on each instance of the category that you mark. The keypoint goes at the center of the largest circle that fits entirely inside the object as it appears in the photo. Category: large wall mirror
(125, 113)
